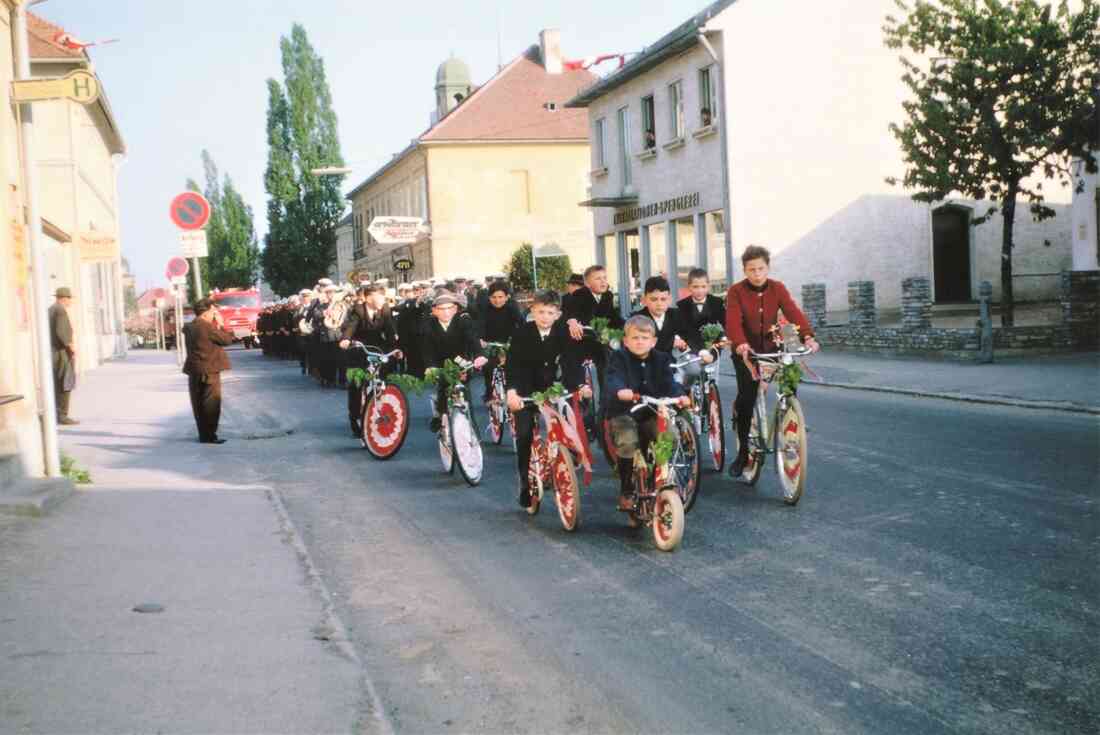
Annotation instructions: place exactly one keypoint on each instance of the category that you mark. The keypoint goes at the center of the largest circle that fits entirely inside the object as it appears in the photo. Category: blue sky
(191, 75)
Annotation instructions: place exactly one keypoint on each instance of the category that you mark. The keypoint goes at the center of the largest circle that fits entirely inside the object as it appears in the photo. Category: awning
(623, 201)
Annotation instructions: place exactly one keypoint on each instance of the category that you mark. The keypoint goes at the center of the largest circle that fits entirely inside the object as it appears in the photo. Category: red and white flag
(590, 61)
(71, 42)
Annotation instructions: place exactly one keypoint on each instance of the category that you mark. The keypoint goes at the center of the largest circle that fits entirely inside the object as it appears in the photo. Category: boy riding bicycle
(674, 330)
(532, 366)
(593, 300)
(636, 368)
(449, 336)
(752, 308)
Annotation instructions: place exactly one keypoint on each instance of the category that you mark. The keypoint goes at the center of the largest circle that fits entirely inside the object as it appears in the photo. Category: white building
(785, 105)
(345, 244)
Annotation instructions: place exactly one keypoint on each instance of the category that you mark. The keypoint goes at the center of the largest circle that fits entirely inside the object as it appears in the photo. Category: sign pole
(198, 278)
(180, 347)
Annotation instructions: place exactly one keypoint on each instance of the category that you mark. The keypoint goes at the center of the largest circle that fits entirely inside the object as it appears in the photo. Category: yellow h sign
(79, 86)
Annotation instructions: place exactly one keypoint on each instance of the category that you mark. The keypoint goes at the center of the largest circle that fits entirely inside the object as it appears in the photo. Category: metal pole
(180, 346)
(156, 327)
(198, 278)
(535, 269)
(48, 405)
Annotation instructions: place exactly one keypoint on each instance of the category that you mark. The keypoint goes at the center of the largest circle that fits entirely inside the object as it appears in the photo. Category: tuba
(305, 325)
(336, 312)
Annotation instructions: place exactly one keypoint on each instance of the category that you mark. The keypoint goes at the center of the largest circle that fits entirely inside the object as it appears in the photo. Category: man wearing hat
(63, 346)
(448, 336)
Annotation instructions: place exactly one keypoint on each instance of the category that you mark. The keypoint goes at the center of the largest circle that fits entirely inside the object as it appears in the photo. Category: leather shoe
(215, 440)
(67, 421)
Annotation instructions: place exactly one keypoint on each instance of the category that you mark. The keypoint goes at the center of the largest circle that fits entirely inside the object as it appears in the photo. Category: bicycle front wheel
(567, 490)
(790, 450)
(685, 462)
(716, 429)
(467, 448)
(385, 422)
(668, 520)
(497, 414)
(446, 449)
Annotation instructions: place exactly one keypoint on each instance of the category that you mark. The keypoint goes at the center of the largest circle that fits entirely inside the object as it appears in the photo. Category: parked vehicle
(240, 307)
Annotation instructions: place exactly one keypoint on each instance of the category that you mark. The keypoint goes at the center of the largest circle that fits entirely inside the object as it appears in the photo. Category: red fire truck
(240, 307)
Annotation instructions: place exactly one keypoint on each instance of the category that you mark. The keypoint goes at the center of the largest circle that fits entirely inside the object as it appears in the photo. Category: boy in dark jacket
(636, 368)
(583, 305)
(448, 335)
(371, 323)
(497, 322)
(701, 307)
(532, 366)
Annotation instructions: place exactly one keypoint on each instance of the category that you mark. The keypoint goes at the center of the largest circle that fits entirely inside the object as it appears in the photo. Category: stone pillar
(1081, 308)
(861, 304)
(916, 303)
(985, 322)
(813, 303)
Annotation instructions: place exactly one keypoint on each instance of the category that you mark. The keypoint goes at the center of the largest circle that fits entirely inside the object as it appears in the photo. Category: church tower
(452, 86)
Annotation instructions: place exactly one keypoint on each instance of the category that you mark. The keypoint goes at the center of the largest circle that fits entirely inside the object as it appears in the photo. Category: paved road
(939, 576)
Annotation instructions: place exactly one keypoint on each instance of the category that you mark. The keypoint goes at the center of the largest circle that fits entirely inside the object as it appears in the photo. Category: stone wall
(1080, 328)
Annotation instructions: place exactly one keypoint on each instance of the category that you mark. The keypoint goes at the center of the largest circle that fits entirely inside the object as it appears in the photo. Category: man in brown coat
(63, 348)
(205, 337)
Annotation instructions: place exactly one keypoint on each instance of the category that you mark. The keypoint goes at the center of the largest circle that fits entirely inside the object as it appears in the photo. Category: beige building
(502, 165)
(75, 149)
(345, 262)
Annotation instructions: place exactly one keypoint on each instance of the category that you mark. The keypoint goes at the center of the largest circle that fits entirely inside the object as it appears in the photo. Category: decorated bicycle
(658, 499)
(782, 431)
(706, 401)
(459, 445)
(384, 417)
(499, 415)
(557, 446)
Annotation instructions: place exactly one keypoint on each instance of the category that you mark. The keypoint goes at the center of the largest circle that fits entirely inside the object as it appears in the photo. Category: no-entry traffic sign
(177, 267)
(190, 211)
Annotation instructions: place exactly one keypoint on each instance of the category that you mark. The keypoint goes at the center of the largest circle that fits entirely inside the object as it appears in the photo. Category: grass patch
(74, 473)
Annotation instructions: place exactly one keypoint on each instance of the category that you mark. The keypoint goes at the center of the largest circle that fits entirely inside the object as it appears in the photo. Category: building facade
(692, 142)
(502, 166)
(345, 245)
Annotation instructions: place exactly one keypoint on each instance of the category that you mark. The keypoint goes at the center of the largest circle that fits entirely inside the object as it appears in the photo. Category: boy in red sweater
(752, 308)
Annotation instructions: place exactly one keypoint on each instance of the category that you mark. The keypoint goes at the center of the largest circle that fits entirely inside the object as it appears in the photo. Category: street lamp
(330, 171)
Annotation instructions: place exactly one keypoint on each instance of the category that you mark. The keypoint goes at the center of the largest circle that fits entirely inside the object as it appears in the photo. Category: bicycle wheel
(668, 519)
(385, 422)
(567, 491)
(512, 430)
(497, 415)
(446, 450)
(790, 451)
(685, 462)
(758, 442)
(467, 452)
(607, 445)
(536, 479)
(590, 407)
(715, 429)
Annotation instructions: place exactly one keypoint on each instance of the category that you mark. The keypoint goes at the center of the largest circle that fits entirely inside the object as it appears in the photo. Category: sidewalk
(1068, 382)
(246, 642)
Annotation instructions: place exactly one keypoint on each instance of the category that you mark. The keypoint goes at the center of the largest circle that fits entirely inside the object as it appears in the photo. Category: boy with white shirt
(674, 330)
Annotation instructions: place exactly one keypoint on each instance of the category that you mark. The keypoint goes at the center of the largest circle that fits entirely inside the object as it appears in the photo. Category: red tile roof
(510, 106)
(41, 33)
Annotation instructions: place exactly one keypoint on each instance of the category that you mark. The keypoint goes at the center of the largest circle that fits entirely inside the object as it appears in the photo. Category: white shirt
(445, 325)
(660, 321)
(543, 334)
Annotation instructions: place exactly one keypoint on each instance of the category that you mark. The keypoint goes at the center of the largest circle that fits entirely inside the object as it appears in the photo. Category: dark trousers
(631, 434)
(487, 376)
(525, 434)
(745, 402)
(62, 398)
(206, 403)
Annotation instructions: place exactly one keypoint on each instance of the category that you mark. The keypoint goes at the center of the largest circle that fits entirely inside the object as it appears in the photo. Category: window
(624, 145)
(649, 125)
(676, 109)
(708, 101)
(599, 140)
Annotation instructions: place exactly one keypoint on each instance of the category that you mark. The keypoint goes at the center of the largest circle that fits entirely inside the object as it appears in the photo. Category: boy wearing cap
(446, 337)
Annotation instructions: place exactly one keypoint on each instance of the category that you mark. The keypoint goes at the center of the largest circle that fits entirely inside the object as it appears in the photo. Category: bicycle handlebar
(649, 401)
(800, 352)
(528, 401)
(373, 352)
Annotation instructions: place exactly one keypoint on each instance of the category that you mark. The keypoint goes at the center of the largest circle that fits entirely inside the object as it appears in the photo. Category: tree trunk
(1008, 212)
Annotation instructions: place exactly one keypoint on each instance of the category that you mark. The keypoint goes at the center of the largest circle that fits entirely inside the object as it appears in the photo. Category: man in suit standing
(206, 360)
(63, 346)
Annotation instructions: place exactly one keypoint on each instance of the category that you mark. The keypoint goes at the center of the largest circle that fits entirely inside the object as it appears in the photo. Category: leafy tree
(303, 209)
(552, 272)
(1003, 90)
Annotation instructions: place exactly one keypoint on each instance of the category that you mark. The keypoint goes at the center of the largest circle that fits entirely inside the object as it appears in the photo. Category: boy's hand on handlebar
(626, 394)
(743, 349)
(344, 344)
(679, 343)
(685, 401)
(515, 403)
(479, 362)
(706, 356)
(586, 391)
(812, 344)
(576, 331)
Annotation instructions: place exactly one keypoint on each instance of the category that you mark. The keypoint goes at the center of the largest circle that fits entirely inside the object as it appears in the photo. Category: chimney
(550, 41)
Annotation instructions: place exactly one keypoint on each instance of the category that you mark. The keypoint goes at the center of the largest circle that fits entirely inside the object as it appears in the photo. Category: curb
(964, 397)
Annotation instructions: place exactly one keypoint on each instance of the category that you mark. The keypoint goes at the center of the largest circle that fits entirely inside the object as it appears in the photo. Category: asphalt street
(938, 576)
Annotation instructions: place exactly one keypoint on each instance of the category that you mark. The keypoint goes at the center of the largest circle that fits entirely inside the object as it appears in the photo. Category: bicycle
(384, 408)
(499, 415)
(552, 458)
(706, 404)
(458, 437)
(784, 435)
(658, 496)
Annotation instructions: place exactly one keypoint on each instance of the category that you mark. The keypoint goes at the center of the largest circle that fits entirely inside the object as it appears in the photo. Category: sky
(189, 76)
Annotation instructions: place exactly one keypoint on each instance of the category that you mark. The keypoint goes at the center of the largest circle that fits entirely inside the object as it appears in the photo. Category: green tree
(552, 272)
(1003, 90)
(303, 209)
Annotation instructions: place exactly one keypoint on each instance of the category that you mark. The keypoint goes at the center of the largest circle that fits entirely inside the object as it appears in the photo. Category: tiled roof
(511, 106)
(41, 33)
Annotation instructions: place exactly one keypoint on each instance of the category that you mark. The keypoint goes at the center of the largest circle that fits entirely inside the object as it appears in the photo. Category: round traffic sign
(190, 211)
(177, 267)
